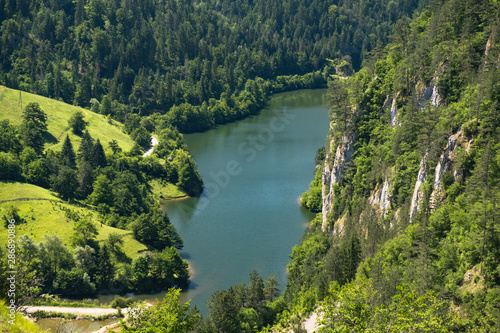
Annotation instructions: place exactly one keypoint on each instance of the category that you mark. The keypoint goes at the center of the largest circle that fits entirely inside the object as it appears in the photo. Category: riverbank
(79, 312)
(167, 191)
(254, 171)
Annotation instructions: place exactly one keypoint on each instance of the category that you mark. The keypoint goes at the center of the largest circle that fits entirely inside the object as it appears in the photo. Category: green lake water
(249, 216)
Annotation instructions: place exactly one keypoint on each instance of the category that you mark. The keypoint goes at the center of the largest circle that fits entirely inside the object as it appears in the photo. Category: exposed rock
(332, 172)
(431, 93)
(385, 106)
(445, 164)
(418, 193)
(394, 114)
(390, 103)
(381, 197)
(489, 44)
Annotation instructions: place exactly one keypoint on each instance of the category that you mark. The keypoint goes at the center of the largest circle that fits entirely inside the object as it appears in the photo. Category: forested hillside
(408, 188)
(210, 59)
(408, 237)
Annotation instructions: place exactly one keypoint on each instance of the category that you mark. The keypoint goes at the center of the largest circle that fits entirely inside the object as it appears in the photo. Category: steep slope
(45, 214)
(12, 102)
(410, 183)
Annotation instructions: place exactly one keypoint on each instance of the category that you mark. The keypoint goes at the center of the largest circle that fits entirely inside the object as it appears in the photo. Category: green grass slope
(49, 216)
(21, 323)
(58, 114)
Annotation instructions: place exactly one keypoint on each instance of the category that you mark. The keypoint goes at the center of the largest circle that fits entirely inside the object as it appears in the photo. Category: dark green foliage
(244, 308)
(77, 122)
(85, 180)
(9, 140)
(98, 158)
(65, 183)
(223, 312)
(448, 255)
(271, 290)
(188, 177)
(156, 231)
(255, 291)
(9, 167)
(159, 270)
(74, 282)
(113, 144)
(153, 56)
(142, 137)
(85, 149)
(34, 126)
(105, 269)
(68, 156)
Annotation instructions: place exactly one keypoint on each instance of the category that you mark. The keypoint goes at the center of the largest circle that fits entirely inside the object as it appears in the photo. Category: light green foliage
(58, 115)
(350, 308)
(85, 233)
(312, 199)
(169, 316)
(21, 324)
(103, 193)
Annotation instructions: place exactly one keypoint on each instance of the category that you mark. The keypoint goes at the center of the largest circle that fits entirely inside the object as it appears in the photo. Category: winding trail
(154, 142)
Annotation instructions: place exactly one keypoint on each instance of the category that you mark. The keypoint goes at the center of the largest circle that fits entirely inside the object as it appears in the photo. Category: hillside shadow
(49, 138)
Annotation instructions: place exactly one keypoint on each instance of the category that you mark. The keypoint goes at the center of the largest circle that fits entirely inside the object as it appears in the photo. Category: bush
(121, 302)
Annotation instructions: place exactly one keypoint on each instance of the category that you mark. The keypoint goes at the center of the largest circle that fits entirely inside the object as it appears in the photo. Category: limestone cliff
(332, 172)
(418, 193)
(381, 197)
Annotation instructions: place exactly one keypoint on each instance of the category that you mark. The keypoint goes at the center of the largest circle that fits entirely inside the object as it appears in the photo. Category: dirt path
(311, 324)
(96, 312)
(154, 142)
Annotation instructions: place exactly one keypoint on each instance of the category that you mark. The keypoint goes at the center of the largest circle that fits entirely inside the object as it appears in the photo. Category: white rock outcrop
(332, 172)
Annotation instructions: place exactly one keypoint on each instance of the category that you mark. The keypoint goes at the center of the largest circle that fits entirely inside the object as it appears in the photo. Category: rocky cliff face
(381, 197)
(431, 93)
(444, 165)
(390, 104)
(418, 193)
(333, 167)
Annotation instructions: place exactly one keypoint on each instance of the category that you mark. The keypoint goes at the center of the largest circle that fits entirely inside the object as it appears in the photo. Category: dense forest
(197, 63)
(116, 186)
(406, 189)
(408, 185)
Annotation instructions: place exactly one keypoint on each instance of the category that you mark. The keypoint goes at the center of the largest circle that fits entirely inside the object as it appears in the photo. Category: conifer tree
(98, 156)
(85, 149)
(68, 155)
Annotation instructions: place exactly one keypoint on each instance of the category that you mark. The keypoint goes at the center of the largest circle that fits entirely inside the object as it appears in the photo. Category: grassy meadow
(43, 217)
(58, 114)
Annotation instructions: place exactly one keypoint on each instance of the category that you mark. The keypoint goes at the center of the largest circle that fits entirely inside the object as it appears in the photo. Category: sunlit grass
(21, 324)
(44, 217)
(166, 190)
(58, 114)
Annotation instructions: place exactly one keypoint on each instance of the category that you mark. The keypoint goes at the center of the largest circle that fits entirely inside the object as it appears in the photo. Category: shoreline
(176, 198)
